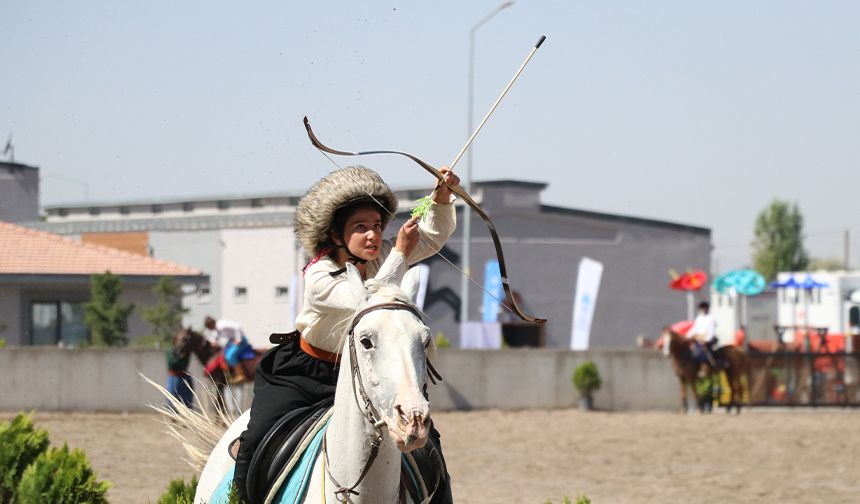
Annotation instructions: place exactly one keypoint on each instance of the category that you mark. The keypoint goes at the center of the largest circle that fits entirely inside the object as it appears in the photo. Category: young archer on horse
(340, 220)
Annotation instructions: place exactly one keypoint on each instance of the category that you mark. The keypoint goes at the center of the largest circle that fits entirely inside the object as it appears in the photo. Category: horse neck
(202, 348)
(349, 437)
(679, 347)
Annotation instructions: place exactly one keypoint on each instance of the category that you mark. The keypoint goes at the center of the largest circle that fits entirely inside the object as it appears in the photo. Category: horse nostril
(403, 419)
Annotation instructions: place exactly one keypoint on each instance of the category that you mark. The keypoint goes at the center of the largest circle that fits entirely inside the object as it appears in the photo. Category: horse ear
(356, 285)
(411, 282)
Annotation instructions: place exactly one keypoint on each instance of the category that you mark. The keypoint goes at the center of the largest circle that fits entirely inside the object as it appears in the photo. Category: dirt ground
(762, 456)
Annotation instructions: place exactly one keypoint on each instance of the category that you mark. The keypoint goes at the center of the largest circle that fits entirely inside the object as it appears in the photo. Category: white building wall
(260, 261)
(825, 307)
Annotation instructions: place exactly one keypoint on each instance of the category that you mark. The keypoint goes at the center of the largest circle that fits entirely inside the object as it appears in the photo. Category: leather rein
(369, 411)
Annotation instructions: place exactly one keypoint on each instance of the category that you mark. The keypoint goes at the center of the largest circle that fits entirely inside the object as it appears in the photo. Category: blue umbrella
(791, 283)
(811, 283)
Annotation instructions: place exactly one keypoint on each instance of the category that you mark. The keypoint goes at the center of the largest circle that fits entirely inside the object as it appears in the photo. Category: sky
(687, 111)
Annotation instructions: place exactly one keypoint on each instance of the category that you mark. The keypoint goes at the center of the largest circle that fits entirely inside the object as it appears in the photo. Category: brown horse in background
(187, 340)
(687, 369)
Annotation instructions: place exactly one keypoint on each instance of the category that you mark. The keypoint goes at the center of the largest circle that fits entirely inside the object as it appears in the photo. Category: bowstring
(430, 245)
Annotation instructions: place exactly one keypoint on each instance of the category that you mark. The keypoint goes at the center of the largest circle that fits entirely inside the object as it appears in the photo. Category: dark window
(157, 209)
(55, 322)
(63, 212)
(188, 207)
(124, 210)
(257, 202)
(95, 210)
(223, 205)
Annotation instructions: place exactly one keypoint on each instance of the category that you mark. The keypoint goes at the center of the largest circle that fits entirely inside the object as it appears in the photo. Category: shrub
(61, 477)
(586, 378)
(20, 444)
(178, 492)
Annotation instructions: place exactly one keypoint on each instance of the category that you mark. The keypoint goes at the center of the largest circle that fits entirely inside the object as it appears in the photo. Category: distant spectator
(179, 382)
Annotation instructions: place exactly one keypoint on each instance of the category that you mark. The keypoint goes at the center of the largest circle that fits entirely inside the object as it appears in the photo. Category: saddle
(277, 448)
(422, 470)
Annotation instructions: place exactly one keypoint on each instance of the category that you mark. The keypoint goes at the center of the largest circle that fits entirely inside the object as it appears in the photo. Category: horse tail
(198, 430)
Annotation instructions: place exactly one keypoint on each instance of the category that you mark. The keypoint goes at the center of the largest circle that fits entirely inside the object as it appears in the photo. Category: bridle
(362, 399)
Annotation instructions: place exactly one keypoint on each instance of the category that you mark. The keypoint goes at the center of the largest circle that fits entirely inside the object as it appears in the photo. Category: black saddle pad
(274, 451)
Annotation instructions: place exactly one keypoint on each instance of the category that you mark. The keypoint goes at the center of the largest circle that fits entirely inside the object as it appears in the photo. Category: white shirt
(705, 325)
(327, 301)
(227, 330)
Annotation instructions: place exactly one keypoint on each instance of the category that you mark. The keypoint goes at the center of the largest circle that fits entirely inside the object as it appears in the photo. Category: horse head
(387, 347)
(672, 341)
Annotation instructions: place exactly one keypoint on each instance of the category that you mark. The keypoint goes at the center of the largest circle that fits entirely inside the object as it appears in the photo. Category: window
(57, 323)
(240, 294)
(63, 212)
(257, 202)
(95, 210)
(188, 206)
(204, 295)
(124, 210)
(282, 294)
(157, 209)
(223, 205)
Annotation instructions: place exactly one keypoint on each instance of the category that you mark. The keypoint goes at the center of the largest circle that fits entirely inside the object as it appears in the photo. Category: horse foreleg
(684, 404)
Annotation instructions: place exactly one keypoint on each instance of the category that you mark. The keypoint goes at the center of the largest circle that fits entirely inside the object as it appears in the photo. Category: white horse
(379, 399)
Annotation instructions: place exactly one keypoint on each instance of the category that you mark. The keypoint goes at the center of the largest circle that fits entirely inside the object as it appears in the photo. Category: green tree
(825, 263)
(778, 244)
(165, 316)
(105, 317)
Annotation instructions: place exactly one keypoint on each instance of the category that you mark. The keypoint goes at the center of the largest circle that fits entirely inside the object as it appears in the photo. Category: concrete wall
(107, 380)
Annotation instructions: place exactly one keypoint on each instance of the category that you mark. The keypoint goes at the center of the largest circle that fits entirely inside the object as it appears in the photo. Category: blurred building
(45, 281)
(247, 247)
(19, 192)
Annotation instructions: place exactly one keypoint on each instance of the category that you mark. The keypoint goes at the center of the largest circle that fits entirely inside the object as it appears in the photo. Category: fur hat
(316, 210)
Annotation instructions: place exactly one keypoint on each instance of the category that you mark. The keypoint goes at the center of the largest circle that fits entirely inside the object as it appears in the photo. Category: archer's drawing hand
(442, 194)
(407, 237)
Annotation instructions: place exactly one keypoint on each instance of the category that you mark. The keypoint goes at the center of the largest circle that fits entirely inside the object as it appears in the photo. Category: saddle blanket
(293, 489)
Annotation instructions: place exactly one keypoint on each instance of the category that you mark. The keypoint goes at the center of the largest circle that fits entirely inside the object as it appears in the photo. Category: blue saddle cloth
(294, 488)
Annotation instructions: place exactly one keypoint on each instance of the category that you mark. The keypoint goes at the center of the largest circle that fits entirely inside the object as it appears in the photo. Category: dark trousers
(286, 379)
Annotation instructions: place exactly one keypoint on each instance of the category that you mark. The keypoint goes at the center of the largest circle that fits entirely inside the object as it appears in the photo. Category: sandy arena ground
(762, 456)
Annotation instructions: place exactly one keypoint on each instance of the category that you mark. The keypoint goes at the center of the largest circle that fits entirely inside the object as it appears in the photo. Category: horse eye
(366, 343)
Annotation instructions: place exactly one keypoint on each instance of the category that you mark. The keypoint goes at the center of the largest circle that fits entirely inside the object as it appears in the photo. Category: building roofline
(10, 164)
(251, 196)
(625, 218)
(69, 278)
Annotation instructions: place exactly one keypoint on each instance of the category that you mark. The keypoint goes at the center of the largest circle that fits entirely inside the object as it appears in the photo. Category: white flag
(587, 285)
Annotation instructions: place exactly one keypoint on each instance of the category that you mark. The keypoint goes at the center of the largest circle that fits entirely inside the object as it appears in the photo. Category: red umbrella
(689, 281)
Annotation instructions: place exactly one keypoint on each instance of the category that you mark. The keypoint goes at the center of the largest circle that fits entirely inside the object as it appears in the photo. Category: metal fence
(804, 379)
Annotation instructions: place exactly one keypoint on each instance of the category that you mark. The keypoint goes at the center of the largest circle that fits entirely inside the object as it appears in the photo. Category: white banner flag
(423, 277)
(587, 285)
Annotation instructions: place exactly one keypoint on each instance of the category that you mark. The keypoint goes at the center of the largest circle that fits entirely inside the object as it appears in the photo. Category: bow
(456, 189)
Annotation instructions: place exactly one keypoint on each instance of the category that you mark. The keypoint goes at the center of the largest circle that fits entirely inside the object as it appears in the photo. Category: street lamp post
(467, 212)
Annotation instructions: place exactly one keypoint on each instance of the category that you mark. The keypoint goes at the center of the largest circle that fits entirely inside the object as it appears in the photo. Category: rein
(369, 411)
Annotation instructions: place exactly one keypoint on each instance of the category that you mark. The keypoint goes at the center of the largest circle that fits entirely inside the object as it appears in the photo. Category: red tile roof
(27, 251)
